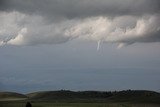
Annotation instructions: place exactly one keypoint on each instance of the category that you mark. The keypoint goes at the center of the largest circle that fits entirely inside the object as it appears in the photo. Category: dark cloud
(82, 8)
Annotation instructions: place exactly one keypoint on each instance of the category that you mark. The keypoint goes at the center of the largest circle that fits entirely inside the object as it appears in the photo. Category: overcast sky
(79, 45)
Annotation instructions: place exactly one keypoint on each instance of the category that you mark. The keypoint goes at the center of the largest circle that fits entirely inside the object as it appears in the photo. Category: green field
(49, 104)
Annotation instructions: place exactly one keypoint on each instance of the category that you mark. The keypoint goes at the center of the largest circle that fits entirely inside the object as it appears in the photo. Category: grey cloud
(33, 29)
(34, 22)
(82, 8)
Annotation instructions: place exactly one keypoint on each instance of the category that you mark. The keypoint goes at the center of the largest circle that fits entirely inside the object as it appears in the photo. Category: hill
(133, 96)
(140, 96)
(69, 96)
(7, 96)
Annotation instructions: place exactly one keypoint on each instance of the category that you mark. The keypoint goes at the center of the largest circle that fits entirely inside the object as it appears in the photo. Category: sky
(79, 45)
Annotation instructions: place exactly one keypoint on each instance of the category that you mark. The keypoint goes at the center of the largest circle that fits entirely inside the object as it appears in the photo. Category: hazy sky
(79, 45)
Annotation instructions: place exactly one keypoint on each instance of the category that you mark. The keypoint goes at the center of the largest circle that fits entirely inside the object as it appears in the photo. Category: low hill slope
(6, 96)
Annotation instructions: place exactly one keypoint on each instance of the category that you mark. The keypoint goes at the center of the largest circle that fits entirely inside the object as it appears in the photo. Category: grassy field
(44, 104)
(129, 98)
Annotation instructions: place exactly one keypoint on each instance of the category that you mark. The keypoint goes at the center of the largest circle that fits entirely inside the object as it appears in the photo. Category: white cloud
(21, 29)
(19, 39)
(144, 29)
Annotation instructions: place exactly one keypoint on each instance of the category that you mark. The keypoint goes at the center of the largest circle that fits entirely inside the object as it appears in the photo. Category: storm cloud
(35, 22)
(82, 8)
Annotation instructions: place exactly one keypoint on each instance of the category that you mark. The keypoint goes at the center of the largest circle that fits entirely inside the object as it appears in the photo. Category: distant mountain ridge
(139, 96)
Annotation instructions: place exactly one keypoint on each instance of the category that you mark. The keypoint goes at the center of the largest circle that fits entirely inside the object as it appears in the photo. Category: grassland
(50, 104)
(63, 98)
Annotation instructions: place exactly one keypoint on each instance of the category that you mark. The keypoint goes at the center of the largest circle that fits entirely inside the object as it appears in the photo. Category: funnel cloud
(71, 45)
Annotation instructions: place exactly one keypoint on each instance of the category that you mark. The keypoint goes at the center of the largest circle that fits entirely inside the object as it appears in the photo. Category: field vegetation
(66, 98)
